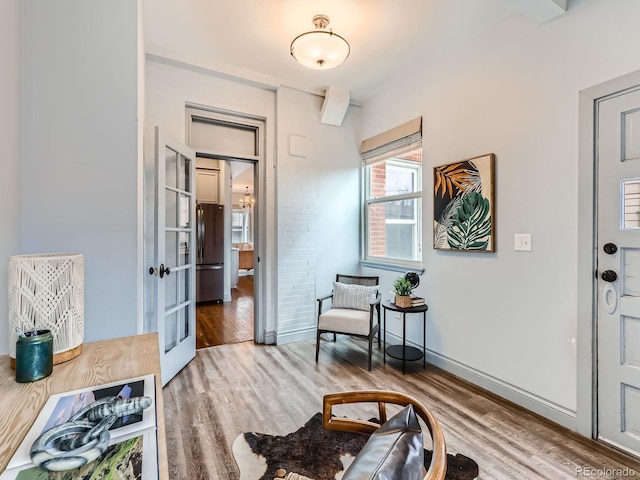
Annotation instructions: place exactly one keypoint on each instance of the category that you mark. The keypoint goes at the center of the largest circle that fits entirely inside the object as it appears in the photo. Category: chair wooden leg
(334, 337)
(370, 350)
(317, 345)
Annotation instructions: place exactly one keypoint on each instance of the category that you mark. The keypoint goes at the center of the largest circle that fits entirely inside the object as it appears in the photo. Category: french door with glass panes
(175, 250)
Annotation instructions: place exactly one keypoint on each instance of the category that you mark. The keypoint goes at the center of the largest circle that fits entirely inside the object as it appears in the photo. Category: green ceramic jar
(34, 356)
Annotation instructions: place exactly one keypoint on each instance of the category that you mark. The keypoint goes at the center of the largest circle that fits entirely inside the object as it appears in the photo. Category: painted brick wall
(297, 234)
(318, 209)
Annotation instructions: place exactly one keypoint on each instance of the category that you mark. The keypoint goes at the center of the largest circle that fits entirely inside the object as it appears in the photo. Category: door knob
(610, 248)
(609, 276)
(166, 271)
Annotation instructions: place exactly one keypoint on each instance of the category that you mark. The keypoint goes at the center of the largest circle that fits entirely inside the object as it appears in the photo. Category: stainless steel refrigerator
(210, 250)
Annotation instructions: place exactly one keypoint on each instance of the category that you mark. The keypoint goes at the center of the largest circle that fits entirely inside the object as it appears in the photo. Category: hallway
(229, 322)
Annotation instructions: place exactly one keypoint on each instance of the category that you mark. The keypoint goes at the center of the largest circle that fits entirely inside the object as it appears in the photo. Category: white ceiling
(387, 37)
(242, 175)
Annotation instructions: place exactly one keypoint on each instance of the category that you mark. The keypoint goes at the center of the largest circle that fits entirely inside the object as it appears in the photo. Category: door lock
(610, 248)
(609, 276)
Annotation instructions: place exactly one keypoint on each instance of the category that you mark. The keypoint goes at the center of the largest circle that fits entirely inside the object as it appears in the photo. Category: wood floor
(229, 322)
(231, 389)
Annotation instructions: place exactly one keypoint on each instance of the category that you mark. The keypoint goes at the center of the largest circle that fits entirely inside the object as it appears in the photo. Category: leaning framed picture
(62, 406)
(463, 205)
(129, 457)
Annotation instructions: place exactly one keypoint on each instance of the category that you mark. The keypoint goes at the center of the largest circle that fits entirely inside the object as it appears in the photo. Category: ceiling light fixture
(320, 49)
(247, 202)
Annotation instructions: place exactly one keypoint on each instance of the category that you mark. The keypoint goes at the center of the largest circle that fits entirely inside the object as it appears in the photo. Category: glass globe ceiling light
(320, 49)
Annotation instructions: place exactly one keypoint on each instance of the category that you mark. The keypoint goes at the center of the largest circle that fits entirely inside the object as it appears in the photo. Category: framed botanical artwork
(463, 201)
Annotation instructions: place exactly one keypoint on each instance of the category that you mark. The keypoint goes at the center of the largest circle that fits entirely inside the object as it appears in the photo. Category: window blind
(396, 141)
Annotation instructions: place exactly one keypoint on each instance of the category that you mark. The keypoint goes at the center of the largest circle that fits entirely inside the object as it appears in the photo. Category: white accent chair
(358, 316)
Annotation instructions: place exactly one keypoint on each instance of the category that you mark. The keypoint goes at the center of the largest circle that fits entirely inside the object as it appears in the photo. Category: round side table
(405, 352)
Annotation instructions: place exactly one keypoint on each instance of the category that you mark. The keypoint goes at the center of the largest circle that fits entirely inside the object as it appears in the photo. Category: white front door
(618, 270)
(175, 254)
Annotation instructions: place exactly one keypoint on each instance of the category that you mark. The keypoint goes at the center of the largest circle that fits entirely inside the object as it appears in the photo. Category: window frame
(391, 263)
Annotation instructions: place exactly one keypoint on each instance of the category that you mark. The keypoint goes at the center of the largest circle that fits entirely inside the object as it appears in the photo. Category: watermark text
(590, 472)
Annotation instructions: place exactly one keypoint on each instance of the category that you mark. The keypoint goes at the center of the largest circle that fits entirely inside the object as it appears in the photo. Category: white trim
(298, 335)
(259, 124)
(140, 270)
(270, 337)
(367, 201)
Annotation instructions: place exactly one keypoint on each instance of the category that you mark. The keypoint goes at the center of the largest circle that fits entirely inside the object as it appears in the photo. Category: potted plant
(402, 289)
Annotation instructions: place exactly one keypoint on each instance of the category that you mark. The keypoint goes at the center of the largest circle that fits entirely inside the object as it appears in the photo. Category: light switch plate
(522, 242)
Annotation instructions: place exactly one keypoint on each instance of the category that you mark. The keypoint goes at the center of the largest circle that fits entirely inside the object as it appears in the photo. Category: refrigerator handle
(199, 233)
(203, 236)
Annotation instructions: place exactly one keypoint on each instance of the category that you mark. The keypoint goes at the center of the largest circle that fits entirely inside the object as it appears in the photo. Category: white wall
(507, 319)
(9, 152)
(79, 186)
(318, 209)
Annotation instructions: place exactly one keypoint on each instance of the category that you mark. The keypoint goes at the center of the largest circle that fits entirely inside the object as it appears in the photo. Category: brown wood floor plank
(231, 389)
(229, 322)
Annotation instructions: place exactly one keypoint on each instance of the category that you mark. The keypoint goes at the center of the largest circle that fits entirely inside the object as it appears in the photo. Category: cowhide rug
(317, 453)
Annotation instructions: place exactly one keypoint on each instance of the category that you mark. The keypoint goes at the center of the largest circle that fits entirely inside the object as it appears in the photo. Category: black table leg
(384, 330)
(424, 340)
(404, 339)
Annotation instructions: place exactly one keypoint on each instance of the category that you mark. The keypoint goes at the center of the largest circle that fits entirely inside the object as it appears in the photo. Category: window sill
(394, 267)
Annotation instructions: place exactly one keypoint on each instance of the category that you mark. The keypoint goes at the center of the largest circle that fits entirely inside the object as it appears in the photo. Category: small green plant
(402, 287)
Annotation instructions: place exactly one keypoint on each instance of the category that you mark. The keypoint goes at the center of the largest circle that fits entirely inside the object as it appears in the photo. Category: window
(393, 209)
(392, 219)
(241, 226)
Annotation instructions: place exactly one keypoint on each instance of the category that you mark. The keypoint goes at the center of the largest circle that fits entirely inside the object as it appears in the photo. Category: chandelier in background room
(320, 49)
(247, 202)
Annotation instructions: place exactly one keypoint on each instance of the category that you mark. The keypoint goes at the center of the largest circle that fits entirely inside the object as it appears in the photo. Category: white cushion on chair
(345, 320)
(348, 295)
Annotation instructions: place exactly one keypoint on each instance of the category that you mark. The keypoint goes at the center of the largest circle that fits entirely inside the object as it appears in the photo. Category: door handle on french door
(609, 276)
(164, 270)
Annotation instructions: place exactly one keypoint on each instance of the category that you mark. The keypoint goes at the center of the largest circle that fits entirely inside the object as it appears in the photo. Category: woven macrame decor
(46, 292)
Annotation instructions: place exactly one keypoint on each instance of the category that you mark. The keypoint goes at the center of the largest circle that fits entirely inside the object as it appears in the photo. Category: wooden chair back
(438, 466)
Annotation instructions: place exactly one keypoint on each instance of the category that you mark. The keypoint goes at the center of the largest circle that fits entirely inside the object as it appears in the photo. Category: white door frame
(586, 411)
(261, 335)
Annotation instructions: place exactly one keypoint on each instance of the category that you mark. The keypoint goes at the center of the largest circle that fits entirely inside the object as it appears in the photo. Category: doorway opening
(232, 320)
(231, 146)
